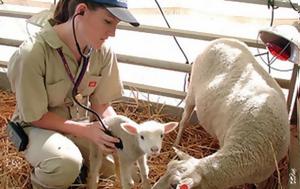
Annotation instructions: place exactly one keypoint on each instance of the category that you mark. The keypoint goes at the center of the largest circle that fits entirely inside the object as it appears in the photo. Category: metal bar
(164, 31)
(154, 63)
(186, 34)
(160, 64)
(283, 83)
(154, 90)
(280, 3)
(3, 64)
(127, 85)
(158, 30)
(10, 42)
(15, 14)
(292, 95)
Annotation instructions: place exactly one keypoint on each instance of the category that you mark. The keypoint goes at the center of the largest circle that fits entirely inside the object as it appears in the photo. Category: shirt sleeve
(26, 75)
(110, 86)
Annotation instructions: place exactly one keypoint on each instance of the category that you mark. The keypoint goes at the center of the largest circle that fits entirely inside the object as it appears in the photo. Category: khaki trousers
(57, 159)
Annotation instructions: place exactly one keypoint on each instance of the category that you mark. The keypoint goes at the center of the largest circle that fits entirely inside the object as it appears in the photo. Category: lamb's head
(149, 134)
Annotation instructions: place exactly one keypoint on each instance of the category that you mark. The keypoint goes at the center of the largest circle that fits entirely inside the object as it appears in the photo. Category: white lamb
(244, 108)
(138, 140)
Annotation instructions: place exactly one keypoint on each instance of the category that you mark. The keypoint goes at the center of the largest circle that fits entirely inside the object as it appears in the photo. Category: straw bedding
(15, 171)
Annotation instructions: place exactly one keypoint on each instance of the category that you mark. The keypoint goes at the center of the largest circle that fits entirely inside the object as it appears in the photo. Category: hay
(15, 171)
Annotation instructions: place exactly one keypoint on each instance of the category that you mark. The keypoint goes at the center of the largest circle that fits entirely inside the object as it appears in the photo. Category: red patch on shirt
(92, 84)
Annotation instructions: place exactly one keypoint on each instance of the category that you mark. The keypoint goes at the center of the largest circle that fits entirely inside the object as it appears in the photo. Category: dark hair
(65, 9)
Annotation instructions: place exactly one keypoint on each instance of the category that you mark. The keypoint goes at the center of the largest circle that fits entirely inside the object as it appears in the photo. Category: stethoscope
(85, 62)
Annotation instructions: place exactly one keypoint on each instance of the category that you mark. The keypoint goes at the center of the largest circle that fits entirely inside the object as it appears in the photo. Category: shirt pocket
(89, 84)
(57, 92)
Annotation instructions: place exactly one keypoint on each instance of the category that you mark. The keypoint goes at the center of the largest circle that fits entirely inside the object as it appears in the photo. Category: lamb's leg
(117, 171)
(95, 158)
(187, 113)
(125, 173)
(144, 171)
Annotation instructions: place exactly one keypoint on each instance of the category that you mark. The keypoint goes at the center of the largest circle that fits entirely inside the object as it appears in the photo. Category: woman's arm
(92, 131)
(104, 110)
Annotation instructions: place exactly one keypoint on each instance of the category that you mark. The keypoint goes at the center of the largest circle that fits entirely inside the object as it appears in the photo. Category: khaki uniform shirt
(38, 77)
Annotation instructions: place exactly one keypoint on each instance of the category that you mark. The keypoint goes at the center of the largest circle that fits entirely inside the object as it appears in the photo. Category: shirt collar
(51, 37)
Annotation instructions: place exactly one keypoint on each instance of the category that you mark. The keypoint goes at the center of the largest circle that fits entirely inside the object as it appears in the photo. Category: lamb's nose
(154, 149)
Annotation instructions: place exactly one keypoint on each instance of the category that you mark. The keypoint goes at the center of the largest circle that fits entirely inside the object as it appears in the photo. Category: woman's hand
(94, 131)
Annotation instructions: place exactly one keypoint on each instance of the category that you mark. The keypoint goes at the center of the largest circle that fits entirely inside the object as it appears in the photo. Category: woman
(42, 74)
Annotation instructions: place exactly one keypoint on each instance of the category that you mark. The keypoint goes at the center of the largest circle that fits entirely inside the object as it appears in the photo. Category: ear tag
(185, 184)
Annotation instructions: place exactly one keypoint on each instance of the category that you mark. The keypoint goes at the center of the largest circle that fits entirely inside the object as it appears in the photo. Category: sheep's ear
(170, 127)
(181, 155)
(131, 129)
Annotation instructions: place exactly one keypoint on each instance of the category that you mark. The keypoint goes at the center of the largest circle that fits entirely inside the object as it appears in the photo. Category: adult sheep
(241, 105)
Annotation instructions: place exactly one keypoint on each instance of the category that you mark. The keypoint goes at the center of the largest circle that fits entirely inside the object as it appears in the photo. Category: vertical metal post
(294, 152)
(297, 147)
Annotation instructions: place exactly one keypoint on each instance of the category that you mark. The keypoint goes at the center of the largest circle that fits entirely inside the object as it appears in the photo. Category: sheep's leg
(117, 171)
(125, 174)
(95, 158)
(144, 171)
(187, 113)
(262, 184)
(135, 175)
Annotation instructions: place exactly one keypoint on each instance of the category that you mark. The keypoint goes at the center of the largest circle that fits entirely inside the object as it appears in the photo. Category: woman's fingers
(105, 136)
(102, 139)
(109, 144)
(109, 138)
(105, 149)
(108, 141)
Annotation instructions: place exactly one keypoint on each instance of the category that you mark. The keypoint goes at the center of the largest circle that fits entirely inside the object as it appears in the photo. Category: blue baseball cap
(119, 9)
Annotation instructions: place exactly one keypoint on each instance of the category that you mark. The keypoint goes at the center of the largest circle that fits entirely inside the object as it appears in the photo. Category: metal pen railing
(154, 63)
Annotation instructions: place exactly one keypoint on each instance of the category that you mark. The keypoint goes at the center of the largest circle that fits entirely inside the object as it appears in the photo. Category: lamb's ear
(170, 127)
(129, 128)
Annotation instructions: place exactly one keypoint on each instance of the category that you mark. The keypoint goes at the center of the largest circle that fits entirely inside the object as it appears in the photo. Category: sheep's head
(149, 134)
(180, 173)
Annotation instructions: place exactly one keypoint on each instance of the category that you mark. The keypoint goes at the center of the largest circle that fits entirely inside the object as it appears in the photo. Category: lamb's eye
(161, 136)
(142, 137)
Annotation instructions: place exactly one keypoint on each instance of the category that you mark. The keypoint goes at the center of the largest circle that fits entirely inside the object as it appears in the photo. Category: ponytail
(61, 13)
(65, 9)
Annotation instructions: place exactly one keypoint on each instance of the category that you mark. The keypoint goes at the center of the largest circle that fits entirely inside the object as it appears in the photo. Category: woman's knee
(58, 171)
(56, 159)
